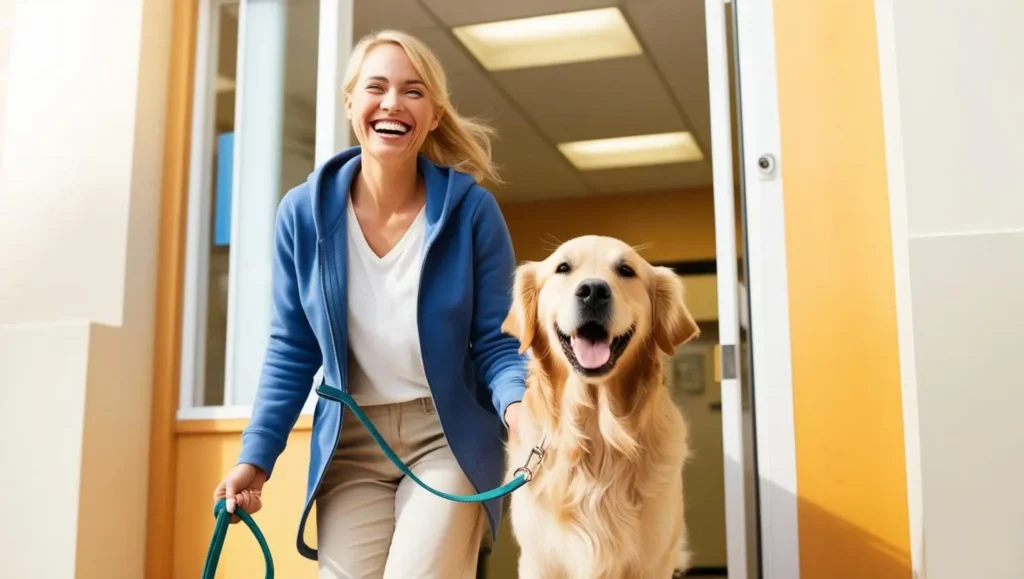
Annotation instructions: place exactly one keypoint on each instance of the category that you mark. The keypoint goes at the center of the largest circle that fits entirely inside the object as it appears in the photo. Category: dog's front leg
(529, 568)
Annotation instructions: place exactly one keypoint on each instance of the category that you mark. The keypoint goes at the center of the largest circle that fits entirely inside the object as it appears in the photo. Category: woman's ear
(521, 321)
(672, 322)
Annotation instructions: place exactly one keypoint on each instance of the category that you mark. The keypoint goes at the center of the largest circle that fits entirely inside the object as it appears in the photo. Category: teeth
(390, 126)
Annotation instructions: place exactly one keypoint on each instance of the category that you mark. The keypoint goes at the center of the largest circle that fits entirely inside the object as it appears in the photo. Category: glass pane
(225, 33)
(286, 145)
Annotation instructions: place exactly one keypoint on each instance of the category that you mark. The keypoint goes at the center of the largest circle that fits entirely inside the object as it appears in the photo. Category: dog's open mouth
(591, 351)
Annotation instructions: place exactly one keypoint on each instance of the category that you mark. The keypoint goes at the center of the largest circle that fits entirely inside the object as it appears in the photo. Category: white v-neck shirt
(385, 361)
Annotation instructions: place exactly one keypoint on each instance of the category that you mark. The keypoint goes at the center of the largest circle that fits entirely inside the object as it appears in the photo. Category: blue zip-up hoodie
(473, 369)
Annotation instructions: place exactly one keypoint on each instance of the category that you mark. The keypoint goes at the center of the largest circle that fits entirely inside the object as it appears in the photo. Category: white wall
(80, 183)
(953, 84)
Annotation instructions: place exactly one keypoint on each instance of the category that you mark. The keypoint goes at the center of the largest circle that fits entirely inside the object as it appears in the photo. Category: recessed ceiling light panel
(549, 40)
(633, 151)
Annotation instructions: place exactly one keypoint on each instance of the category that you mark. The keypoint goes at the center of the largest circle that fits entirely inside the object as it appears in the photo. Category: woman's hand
(512, 418)
(242, 486)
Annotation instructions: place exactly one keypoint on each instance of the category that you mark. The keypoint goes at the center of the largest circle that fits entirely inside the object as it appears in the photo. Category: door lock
(766, 165)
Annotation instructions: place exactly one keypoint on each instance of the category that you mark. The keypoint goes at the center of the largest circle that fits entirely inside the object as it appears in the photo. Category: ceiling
(664, 89)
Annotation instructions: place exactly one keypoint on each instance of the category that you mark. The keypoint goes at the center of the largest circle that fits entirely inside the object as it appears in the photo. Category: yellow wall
(851, 471)
(673, 226)
(205, 451)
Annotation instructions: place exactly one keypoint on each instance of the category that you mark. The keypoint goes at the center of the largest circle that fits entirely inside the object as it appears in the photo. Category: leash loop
(220, 531)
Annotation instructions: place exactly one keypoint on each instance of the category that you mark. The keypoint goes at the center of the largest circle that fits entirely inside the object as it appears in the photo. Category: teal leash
(523, 474)
(220, 531)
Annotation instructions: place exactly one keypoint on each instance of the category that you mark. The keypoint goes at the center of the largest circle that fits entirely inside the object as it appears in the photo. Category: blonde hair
(459, 142)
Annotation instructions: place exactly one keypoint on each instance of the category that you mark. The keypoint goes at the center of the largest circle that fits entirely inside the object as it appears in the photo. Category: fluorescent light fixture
(549, 40)
(634, 151)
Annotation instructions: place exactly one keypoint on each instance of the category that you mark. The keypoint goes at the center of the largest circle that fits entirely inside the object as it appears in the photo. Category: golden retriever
(607, 499)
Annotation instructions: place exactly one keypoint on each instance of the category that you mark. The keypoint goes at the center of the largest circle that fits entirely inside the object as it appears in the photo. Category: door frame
(768, 289)
(764, 250)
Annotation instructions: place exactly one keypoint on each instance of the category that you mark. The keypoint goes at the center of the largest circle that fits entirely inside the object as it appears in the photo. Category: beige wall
(6, 19)
(954, 85)
(79, 203)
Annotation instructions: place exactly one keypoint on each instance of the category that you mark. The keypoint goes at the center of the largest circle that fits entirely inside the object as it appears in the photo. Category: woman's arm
(496, 354)
(292, 357)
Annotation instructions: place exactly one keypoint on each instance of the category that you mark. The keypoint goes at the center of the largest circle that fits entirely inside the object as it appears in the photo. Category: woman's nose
(390, 102)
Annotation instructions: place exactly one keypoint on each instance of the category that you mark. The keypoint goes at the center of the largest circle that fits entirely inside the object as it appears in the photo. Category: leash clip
(525, 470)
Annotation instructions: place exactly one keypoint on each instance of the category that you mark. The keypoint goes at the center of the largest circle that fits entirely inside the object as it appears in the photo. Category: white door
(759, 444)
(754, 351)
(740, 502)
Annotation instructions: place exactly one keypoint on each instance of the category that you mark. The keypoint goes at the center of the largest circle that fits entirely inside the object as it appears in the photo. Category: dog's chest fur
(591, 492)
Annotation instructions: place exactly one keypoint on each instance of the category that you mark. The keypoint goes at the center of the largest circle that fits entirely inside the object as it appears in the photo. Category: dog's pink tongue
(591, 355)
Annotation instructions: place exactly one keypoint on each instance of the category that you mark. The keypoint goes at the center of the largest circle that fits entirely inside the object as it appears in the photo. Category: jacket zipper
(334, 348)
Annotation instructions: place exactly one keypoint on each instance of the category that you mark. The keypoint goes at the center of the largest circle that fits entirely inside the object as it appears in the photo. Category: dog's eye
(562, 267)
(626, 271)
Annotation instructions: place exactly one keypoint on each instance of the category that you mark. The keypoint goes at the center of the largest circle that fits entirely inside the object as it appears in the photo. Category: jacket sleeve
(496, 354)
(292, 357)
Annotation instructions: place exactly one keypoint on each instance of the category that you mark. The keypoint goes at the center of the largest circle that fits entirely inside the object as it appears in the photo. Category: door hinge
(728, 361)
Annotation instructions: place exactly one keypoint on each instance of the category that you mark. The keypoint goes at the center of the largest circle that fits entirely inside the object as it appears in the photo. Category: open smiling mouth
(390, 128)
(590, 351)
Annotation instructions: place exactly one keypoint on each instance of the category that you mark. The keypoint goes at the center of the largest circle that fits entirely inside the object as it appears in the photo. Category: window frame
(335, 39)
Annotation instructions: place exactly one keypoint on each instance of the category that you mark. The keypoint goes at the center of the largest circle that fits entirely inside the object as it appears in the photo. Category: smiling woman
(392, 272)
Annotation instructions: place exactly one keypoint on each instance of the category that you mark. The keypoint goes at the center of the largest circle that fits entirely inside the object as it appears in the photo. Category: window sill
(227, 419)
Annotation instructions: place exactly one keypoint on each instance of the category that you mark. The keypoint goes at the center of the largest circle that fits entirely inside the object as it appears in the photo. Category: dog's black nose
(594, 293)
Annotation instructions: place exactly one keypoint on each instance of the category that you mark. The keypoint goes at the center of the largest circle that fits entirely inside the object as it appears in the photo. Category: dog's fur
(607, 502)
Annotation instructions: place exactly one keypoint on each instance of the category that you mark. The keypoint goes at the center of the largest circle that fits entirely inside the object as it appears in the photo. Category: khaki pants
(374, 523)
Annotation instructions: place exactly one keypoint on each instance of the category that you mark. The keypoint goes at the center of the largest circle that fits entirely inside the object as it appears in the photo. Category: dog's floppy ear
(673, 324)
(521, 321)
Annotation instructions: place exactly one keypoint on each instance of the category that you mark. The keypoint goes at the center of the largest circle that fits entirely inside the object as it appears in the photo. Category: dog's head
(596, 303)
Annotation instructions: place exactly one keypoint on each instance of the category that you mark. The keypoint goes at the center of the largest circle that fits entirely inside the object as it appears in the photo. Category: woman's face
(389, 107)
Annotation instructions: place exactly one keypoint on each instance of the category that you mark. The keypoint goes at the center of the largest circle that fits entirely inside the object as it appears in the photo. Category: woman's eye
(374, 88)
(562, 268)
(626, 271)
(415, 93)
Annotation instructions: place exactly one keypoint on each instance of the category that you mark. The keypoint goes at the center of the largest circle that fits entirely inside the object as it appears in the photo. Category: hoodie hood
(331, 182)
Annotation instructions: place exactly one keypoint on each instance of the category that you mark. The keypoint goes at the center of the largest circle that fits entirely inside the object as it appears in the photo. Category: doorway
(658, 139)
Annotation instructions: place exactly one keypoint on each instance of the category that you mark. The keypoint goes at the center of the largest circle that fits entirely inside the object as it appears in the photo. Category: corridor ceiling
(663, 89)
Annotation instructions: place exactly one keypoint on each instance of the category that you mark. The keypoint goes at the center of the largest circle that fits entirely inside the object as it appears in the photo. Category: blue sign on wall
(222, 198)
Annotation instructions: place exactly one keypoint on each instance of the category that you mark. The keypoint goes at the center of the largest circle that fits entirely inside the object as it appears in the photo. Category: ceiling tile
(648, 179)
(674, 33)
(593, 100)
(451, 54)
(531, 168)
(374, 15)
(475, 95)
(459, 12)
